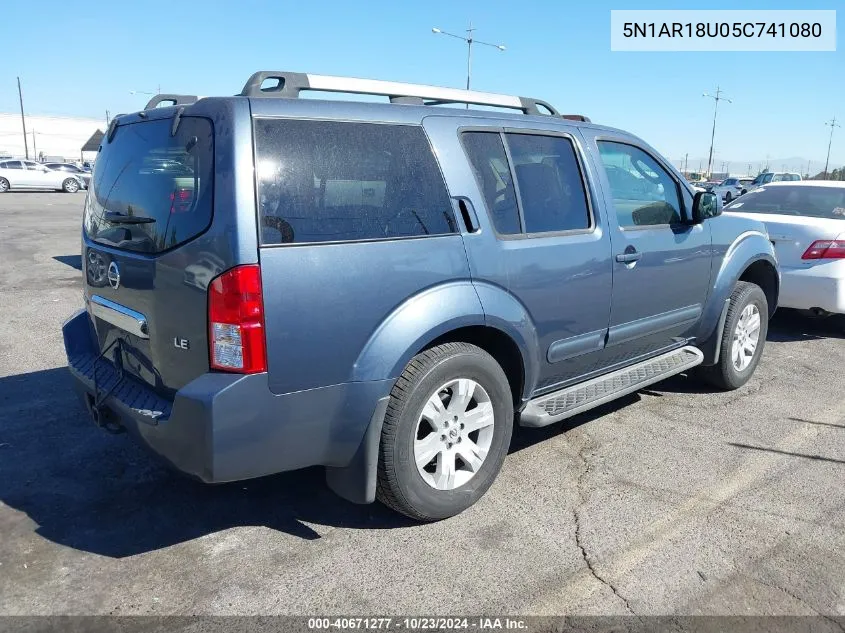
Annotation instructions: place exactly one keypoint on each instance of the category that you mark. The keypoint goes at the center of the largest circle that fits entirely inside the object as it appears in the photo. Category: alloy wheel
(746, 337)
(454, 434)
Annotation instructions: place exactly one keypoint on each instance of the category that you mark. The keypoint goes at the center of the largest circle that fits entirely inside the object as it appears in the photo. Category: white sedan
(27, 174)
(806, 224)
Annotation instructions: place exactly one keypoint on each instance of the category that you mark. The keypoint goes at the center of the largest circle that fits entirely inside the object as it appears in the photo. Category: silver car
(70, 168)
(27, 174)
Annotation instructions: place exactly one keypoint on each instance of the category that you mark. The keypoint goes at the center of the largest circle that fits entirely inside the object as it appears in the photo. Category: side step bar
(570, 401)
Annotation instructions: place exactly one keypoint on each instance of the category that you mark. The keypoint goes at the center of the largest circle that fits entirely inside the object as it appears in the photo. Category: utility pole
(108, 118)
(34, 148)
(716, 98)
(686, 164)
(23, 120)
(832, 123)
(749, 169)
(808, 170)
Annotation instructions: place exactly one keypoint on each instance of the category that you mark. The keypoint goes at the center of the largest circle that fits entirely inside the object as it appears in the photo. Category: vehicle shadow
(789, 326)
(74, 261)
(105, 494)
(526, 437)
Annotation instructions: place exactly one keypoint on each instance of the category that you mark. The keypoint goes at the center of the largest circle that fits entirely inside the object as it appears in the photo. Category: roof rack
(290, 84)
(171, 100)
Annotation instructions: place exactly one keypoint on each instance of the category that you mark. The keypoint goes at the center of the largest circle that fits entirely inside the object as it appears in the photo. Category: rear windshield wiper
(122, 218)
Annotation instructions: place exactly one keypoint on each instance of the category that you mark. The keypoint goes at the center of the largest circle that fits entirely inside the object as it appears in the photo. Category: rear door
(541, 238)
(151, 198)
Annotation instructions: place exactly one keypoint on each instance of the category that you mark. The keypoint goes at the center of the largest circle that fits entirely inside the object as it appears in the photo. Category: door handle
(467, 213)
(629, 257)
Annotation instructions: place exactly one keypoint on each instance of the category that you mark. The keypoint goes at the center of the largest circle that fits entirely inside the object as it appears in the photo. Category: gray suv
(385, 289)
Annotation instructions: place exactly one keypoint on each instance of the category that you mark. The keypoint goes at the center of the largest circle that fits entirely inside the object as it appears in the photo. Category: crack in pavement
(578, 539)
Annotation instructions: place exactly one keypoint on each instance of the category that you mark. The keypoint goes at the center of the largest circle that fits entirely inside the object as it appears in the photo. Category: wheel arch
(749, 258)
(496, 343)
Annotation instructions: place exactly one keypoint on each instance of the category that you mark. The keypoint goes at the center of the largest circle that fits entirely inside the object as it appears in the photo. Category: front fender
(749, 247)
(415, 323)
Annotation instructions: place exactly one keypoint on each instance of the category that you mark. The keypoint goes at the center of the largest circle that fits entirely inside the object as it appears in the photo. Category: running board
(570, 401)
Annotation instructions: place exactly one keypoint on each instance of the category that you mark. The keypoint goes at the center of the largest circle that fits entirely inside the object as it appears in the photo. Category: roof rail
(171, 100)
(290, 84)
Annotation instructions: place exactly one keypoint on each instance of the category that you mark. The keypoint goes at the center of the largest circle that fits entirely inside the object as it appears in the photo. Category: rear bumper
(820, 286)
(226, 427)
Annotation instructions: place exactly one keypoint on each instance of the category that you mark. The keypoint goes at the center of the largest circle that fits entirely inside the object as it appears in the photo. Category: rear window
(147, 173)
(327, 181)
(815, 202)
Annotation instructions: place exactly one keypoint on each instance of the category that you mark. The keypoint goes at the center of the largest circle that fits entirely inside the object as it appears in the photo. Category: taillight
(236, 321)
(181, 200)
(825, 249)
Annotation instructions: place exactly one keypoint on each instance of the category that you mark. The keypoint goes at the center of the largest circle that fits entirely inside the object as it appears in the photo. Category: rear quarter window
(330, 181)
(148, 173)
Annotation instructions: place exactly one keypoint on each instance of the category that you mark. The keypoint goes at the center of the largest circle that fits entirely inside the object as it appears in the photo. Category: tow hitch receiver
(102, 415)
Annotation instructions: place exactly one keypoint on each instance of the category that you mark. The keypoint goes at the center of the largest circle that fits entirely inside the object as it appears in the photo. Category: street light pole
(832, 123)
(717, 98)
(470, 40)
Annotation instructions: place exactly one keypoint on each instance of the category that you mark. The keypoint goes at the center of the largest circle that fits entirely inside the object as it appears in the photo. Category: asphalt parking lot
(675, 500)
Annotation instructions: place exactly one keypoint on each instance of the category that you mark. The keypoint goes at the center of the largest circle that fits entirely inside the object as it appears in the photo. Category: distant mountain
(797, 164)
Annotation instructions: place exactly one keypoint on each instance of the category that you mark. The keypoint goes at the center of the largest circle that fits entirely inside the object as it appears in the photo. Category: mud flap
(356, 482)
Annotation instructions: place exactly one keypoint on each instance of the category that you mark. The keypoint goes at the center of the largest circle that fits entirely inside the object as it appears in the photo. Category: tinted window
(489, 162)
(146, 172)
(324, 181)
(550, 186)
(12, 164)
(730, 181)
(31, 165)
(817, 202)
(644, 194)
(767, 178)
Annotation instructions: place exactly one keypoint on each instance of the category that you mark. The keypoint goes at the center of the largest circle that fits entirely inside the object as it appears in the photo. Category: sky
(87, 58)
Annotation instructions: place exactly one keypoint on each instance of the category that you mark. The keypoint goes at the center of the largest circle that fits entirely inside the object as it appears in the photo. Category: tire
(728, 197)
(70, 185)
(4, 185)
(434, 373)
(743, 192)
(732, 372)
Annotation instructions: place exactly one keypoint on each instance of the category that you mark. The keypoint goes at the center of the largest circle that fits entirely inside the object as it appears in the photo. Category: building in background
(52, 137)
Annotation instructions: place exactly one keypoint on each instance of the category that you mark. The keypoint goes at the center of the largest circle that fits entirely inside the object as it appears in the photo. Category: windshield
(809, 201)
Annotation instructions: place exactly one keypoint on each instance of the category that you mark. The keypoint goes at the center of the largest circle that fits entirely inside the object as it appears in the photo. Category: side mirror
(705, 205)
